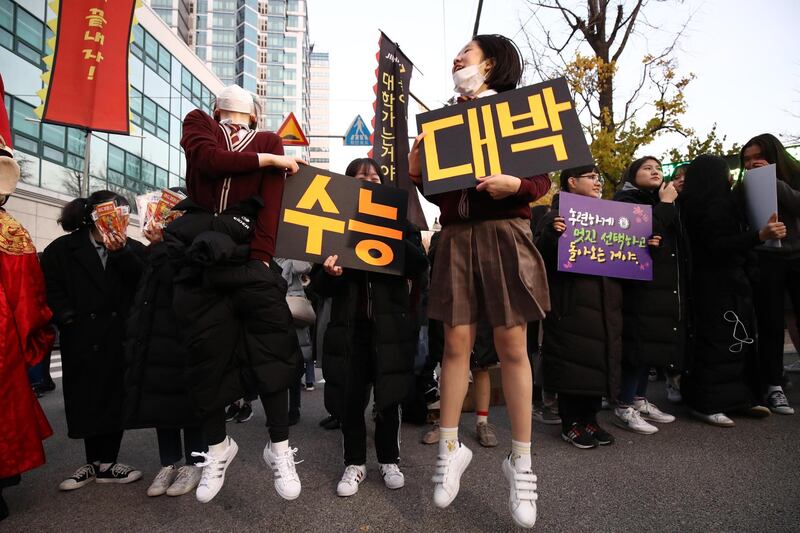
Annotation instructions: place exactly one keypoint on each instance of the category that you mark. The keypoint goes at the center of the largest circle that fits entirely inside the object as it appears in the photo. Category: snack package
(147, 207)
(103, 216)
(109, 219)
(163, 214)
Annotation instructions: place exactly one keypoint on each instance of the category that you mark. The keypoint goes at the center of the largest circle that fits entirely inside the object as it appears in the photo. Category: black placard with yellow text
(324, 214)
(528, 131)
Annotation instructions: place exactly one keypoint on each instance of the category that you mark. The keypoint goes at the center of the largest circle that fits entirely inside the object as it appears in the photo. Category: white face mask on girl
(468, 80)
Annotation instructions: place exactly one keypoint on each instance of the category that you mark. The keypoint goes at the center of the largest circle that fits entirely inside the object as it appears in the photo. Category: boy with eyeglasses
(582, 344)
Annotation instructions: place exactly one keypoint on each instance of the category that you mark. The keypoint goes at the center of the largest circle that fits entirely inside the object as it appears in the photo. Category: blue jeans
(633, 383)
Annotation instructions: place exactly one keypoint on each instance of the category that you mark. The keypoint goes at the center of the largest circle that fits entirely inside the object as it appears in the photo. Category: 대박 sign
(524, 132)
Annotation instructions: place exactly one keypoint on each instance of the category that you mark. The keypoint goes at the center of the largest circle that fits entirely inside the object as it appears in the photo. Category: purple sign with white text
(605, 238)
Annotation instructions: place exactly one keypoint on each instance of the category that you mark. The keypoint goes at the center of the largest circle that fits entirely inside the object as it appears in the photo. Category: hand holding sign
(774, 230)
(331, 268)
(499, 186)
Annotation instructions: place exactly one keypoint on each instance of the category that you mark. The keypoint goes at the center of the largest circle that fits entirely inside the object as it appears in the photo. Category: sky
(744, 55)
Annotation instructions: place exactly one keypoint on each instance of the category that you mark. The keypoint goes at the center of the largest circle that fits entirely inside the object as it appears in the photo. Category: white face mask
(468, 80)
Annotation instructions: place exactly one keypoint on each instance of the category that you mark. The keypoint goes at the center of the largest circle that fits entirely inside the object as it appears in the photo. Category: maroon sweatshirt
(471, 204)
(218, 177)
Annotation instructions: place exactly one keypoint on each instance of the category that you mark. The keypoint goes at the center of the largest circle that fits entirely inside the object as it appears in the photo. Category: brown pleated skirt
(488, 269)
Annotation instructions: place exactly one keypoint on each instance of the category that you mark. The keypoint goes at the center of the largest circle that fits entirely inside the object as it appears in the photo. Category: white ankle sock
(481, 419)
(105, 466)
(521, 456)
(218, 449)
(279, 447)
(448, 440)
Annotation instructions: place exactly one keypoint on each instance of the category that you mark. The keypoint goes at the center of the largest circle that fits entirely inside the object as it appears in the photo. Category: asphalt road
(688, 477)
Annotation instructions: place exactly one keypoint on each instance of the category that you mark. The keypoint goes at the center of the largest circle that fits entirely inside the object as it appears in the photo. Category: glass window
(7, 15)
(133, 166)
(223, 53)
(224, 5)
(291, 58)
(76, 141)
(289, 74)
(30, 29)
(293, 21)
(274, 73)
(148, 172)
(224, 20)
(224, 37)
(20, 113)
(164, 62)
(276, 41)
(163, 118)
(54, 135)
(293, 6)
(149, 110)
(276, 24)
(116, 158)
(276, 8)
(275, 56)
(290, 42)
(162, 178)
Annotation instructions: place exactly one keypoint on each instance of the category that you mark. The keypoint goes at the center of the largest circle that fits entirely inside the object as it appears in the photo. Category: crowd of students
(168, 335)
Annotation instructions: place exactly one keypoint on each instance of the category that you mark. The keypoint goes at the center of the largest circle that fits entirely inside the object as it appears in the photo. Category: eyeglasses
(597, 178)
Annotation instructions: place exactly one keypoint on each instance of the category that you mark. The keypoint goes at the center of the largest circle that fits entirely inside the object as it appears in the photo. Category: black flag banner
(390, 124)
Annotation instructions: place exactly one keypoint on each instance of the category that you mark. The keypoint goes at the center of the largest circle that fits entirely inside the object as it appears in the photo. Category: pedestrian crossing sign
(291, 133)
(357, 134)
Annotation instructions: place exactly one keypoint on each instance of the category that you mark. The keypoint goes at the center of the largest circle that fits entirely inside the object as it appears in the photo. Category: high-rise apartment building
(319, 151)
(261, 45)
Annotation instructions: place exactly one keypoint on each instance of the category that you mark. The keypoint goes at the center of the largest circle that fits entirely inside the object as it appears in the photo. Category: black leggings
(169, 445)
(276, 407)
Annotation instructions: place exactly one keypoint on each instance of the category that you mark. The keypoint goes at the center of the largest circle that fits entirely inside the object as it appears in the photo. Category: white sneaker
(214, 468)
(392, 476)
(630, 419)
(163, 480)
(715, 419)
(287, 482)
(522, 495)
(187, 479)
(449, 468)
(673, 393)
(650, 412)
(351, 479)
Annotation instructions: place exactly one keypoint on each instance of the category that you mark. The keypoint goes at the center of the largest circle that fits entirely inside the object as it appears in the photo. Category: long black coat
(582, 344)
(655, 312)
(156, 394)
(394, 328)
(90, 305)
(721, 374)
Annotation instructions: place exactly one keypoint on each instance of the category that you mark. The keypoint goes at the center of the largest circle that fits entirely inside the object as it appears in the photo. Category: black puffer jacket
(582, 344)
(155, 385)
(721, 374)
(655, 312)
(394, 328)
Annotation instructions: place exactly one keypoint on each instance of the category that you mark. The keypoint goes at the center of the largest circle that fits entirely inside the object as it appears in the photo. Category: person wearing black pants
(91, 279)
(582, 343)
(387, 421)
(370, 342)
(778, 267)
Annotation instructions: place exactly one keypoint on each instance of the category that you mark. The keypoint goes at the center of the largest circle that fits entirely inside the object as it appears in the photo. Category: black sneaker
(602, 436)
(231, 412)
(82, 476)
(119, 473)
(579, 437)
(245, 413)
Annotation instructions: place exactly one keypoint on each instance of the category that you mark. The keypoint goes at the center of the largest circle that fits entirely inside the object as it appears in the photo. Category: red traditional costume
(25, 336)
